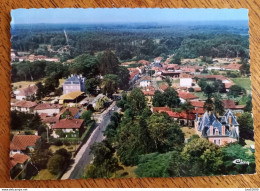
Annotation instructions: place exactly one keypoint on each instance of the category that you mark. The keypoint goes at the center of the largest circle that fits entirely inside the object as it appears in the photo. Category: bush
(55, 164)
(58, 142)
(67, 143)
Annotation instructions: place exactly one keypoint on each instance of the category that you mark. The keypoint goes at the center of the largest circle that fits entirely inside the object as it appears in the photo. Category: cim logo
(240, 161)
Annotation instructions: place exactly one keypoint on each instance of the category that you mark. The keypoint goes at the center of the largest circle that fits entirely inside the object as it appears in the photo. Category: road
(83, 158)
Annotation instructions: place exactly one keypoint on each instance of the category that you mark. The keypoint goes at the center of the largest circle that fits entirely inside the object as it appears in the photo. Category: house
(49, 121)
(25, 93)
(158, 60)
(18, 164)
(163, 87)
(134, 75)
(184, 119)
(230, 105)
(145, 81)
(143, 62)
(172, 67)
(75, 112)
(198, 107)
(74, 83)
(24, 106)
(72, 128)
(185, 80)
(149, 94)
(49, 109)
(219, 131)
(187, 96)
(173, 74)
(23, 143)
(232, 66)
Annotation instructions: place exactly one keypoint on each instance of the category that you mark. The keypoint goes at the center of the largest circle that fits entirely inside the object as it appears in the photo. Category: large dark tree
(171, 98)
(109, 63)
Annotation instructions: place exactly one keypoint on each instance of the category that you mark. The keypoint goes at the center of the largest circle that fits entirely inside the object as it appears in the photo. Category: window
(216, 132)
(219, 142)
(215, 141)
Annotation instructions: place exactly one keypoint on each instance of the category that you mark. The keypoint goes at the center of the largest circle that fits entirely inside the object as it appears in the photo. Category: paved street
(83, 158)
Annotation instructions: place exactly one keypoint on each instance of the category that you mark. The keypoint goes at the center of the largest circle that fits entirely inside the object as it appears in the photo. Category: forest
(135, 41)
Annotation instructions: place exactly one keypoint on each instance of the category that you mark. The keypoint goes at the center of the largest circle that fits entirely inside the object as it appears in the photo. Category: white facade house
(49, 109)
(23, 93)
(185, 80)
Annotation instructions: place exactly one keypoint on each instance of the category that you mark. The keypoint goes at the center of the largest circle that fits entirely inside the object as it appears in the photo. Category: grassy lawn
(44, 175)
(200, 95)
(127, 172)
(243, 82)
(70, 148)
(188, 132)
(243, 100)
(23, 84)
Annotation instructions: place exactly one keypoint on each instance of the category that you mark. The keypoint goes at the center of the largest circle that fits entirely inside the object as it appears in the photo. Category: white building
(23, 93)
(49, 109)
(185, 80)
(145, 82)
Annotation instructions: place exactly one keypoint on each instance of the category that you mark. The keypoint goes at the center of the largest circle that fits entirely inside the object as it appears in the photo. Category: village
(71, 119)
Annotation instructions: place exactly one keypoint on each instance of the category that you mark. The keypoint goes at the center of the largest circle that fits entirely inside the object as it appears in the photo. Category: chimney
(211, 130)
(229, 120)
(223, 130)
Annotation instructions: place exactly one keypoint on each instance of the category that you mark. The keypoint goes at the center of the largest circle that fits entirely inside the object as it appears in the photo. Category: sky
(123, 15)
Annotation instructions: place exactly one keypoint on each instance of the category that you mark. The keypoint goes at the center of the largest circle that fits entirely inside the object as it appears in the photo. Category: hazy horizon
(125, 15)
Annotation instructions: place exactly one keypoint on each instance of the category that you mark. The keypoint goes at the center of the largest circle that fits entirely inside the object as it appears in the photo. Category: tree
(218, 105)
(85, 64)
(208, 90)
(154, 165)
(109, 63)
(249, 105)
(123, 75)
(176, 59)
(187, 107)
(171, 97)
(41, 92)
(168, 81)
(109, 84)
(158, 99)
(245, 121)
(245, 67)
(136, 100)
(91, 85)
(219, 86)
(235, 151)
(202, 83)
(208, 105)
(205, 154)
(166, 134)
(104, 164)
(66, 114)
(56, 164)
(236, 90)
(86, 115)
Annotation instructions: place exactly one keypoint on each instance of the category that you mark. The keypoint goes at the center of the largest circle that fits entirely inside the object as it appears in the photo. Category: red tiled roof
(43, 115)
(157, 109)
(148, 78)
(18, 158)
(183, 75)
(228, 85)
(144, 62)
(47, 106)
(133, 73)
(182, 115)
(72, 110)
(187, 95)
(28, 91)
(197, 103)
(229, 104)
(148, 93)
(188, 69)
(198, 110)
(21, 142)
(68, 124)
(173, 66)
(50, 119)
(26, 104)
(232, 66)
(197, 89)
(163, 87)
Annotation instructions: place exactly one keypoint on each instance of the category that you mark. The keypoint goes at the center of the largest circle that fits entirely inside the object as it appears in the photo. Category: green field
(201, 95)
(44, 174)
(243, 82)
